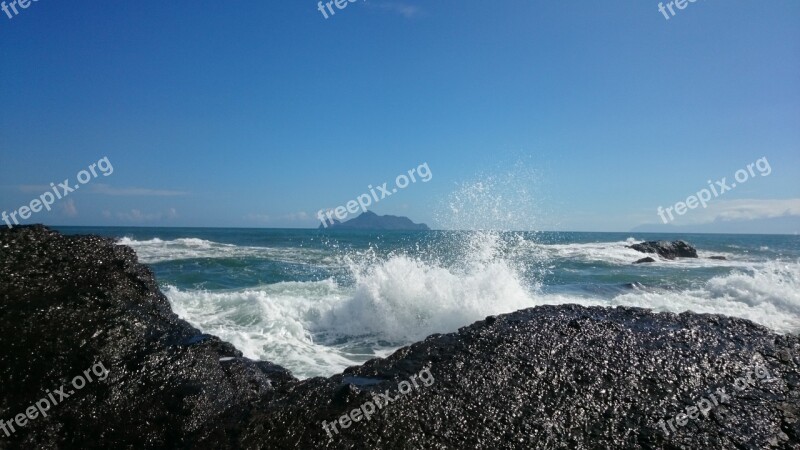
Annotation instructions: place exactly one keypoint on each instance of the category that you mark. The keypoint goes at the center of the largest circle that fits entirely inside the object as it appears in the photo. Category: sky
(574, 116)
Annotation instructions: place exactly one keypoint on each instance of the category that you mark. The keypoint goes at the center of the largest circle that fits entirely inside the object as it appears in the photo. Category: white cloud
(404, 9)
(138, 216)
(290, 217)
(37, 188)
(69, 208)
(104, 189)
(302, 215)
(739, 210)
(265, 218)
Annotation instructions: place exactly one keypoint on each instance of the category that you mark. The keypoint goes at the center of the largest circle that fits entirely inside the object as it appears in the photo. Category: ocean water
(317, 302)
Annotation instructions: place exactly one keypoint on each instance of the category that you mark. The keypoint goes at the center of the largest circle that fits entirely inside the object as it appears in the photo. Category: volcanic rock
(666, 249)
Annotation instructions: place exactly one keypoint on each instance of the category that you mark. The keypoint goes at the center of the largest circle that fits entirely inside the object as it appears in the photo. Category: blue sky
(562, 115)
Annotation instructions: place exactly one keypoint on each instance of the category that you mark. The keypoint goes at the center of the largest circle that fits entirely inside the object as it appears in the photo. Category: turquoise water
(317, 302)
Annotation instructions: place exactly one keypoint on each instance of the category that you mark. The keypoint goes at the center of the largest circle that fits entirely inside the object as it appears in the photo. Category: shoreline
(588, 376)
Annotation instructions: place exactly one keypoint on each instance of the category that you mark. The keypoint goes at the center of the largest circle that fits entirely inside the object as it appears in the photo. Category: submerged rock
(666, 249)
(548, 377)
(645, 260)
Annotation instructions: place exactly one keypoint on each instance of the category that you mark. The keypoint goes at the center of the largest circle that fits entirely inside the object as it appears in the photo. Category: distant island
(371, 221)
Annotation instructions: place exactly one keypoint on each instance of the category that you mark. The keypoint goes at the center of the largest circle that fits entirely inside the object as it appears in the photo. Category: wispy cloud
(33, 188)
(105, 189)
(738, 210)
(757, 209)
(138, 216)
(290, 217)
(69, 208)
(404, 9)
(262, 218)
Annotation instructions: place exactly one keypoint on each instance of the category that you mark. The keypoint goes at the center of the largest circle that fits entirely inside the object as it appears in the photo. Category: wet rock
(645, 260)
(67, 303)
(666, 249)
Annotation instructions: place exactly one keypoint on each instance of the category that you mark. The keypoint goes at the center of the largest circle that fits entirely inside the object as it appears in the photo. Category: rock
(371, 221)
(562, 376)
(70, 302)
(722, 258)
(666, 249)
(645, 260)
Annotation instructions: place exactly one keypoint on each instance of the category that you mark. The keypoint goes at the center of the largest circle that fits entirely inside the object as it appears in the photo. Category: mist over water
(501, 200)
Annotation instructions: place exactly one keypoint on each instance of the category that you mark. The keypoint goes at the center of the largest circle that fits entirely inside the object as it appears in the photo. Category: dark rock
(70, 302)
(722, 258)
(666, 249)
(548, 377)
(645, 260)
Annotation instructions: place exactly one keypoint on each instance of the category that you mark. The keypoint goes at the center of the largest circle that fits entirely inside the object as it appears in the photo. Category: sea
(318, 301)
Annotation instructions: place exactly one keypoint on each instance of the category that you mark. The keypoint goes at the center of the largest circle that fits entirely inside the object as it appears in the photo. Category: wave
(155, 250)
(366, 303)
(270, 323)
(618, 253)
(768, 295)
(320, 327)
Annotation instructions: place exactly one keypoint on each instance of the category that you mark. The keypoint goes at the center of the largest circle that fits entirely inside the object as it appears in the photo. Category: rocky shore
(547, 377)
